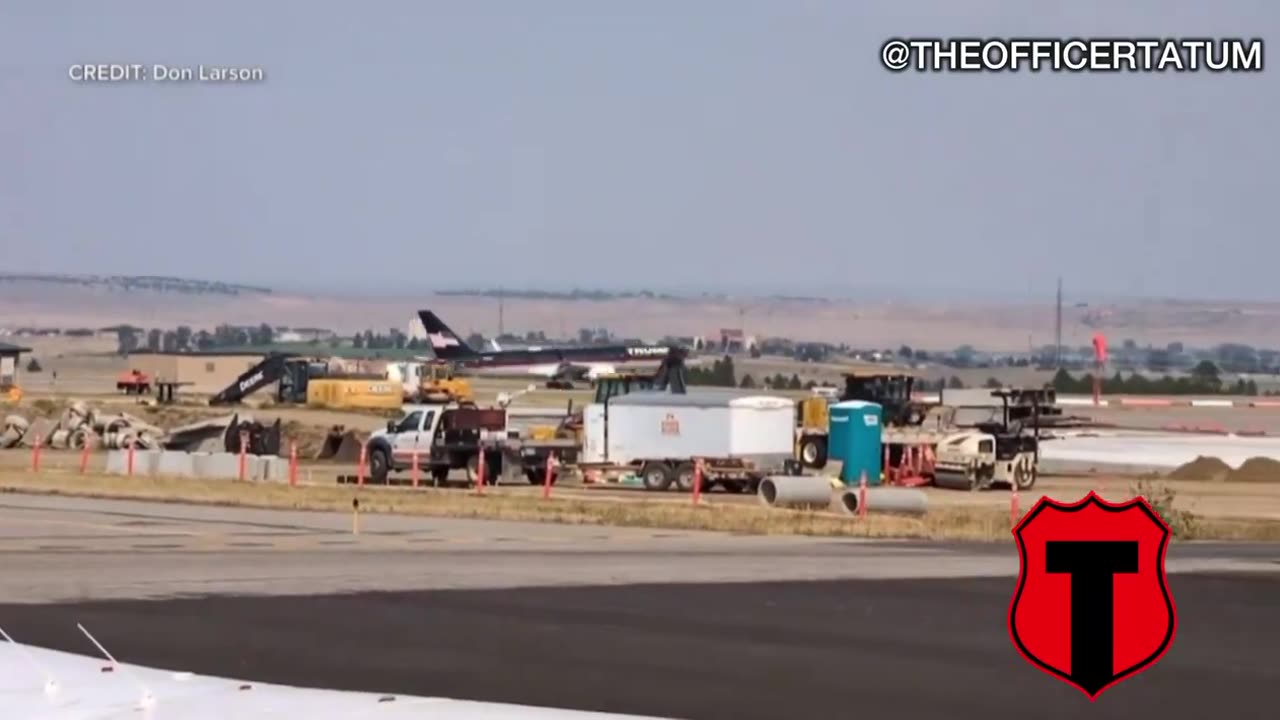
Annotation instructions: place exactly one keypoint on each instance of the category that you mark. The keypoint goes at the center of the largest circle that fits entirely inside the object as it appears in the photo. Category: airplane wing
(54, 685)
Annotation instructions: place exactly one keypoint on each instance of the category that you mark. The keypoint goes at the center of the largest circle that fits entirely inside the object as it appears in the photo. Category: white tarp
(1158, 450)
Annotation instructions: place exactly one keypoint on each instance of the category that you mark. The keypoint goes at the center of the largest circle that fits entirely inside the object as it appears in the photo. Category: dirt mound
(1202, 468)
(1256, 469)
(310, 438)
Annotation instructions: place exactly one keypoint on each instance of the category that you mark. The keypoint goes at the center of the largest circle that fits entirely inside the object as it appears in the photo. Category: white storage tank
(704, 422)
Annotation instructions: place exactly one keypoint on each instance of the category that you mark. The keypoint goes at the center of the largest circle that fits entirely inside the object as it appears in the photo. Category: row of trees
(1204, 379)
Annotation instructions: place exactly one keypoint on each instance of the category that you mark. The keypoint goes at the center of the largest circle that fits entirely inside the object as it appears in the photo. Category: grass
(946, 523)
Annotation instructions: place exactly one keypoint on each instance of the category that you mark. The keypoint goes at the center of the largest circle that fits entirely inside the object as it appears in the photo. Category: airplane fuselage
(546, 361)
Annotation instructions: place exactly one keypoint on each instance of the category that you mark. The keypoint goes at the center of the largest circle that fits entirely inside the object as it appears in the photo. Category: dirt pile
(1202, 468)
(1256, 469)
(310, 438)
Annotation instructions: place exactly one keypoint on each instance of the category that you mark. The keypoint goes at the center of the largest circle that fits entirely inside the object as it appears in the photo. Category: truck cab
(443, 436)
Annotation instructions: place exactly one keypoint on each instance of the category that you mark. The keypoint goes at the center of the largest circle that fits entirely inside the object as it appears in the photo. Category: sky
(674, 145)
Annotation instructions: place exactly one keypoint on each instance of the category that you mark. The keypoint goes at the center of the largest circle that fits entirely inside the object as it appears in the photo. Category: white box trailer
(740, 436)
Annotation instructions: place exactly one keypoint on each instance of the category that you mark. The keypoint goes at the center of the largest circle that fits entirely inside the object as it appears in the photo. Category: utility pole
(501, 298)
(1057, 330)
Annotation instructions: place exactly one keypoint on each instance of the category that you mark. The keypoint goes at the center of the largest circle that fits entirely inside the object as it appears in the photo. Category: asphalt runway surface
(877, 648)
(673, 624)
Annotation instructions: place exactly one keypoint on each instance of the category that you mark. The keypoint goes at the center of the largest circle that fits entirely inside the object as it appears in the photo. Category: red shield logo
(1092, 606)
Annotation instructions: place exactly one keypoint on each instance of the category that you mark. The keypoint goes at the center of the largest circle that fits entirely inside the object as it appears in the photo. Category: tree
(154, 338)
(357, 340)
(992, 383)
(184, 337)
(748, 382)
(264, 334)
(905, 352)
(955, 383)
(794, 383)
(126, 340)
(169, 341)
(1206, 373)
(33, 366)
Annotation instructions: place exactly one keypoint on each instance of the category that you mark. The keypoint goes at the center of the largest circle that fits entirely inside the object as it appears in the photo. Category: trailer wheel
(439, 476)
(656, 476)
(1023, 477)
(813, 451)
(537, 477)
(378, 465)
(684, 477)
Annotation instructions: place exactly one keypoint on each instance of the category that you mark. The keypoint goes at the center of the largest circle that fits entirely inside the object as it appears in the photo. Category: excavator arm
(270, 370)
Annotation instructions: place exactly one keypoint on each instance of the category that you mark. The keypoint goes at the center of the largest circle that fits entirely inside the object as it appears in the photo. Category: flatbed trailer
(735, 475)
(446, 437)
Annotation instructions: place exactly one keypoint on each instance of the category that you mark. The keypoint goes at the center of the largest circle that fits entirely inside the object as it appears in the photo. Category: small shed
(10, 356)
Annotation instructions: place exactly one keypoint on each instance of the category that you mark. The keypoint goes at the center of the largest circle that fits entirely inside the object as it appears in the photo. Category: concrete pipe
(17, 423)
(900, 501)
(795, 491)
(58, 438)
(79, 439)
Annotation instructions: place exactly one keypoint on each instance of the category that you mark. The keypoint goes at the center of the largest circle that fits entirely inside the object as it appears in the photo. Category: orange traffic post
(480, 471)
(862, 496)
(1014, 514)
(244, 452)
(697, 481)
(128, 456)
(884, 467)
(548, 476)
(364, 458)
(84, 453)
(35, 454)
(293, 462)
(414, 467)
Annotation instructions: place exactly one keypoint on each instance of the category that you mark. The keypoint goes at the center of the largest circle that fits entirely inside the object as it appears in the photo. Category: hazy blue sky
(404, 146)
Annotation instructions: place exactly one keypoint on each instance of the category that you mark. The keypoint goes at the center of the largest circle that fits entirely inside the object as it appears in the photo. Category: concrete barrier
(220, 466)
(176, 464)
(217, 466)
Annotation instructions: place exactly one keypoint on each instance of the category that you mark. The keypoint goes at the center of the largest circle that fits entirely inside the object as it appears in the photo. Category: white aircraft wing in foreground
(41, 684)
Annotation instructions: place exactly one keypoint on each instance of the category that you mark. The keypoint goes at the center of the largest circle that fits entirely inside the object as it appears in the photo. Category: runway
(57, 549)
(875, 648)
(675, 624)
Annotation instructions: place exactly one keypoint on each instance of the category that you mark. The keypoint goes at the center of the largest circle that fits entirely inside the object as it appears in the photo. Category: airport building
(198, 372)
(10, 355)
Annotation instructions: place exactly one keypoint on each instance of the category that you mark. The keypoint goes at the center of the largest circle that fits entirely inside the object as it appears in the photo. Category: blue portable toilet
(854, 439)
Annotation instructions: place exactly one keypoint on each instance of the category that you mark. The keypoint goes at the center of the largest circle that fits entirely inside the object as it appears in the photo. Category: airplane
(37, 682)
(555, 364)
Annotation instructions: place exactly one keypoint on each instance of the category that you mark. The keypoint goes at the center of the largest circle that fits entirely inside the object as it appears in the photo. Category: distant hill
(141, 283)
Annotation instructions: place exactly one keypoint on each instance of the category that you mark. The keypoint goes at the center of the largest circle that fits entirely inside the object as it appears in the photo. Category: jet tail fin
(445, 343)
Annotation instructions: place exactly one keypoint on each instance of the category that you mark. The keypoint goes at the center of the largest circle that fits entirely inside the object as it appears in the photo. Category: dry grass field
(988, 521)
(1004, 326)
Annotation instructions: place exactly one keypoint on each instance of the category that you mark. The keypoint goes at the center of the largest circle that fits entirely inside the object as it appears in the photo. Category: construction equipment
(440, 383)
(134, 382)
(1000, 451)
(812, 427)
(295, 376)
(890, 389)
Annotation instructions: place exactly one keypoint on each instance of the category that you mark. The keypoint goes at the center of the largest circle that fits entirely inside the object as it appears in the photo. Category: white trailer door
(593, 445)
